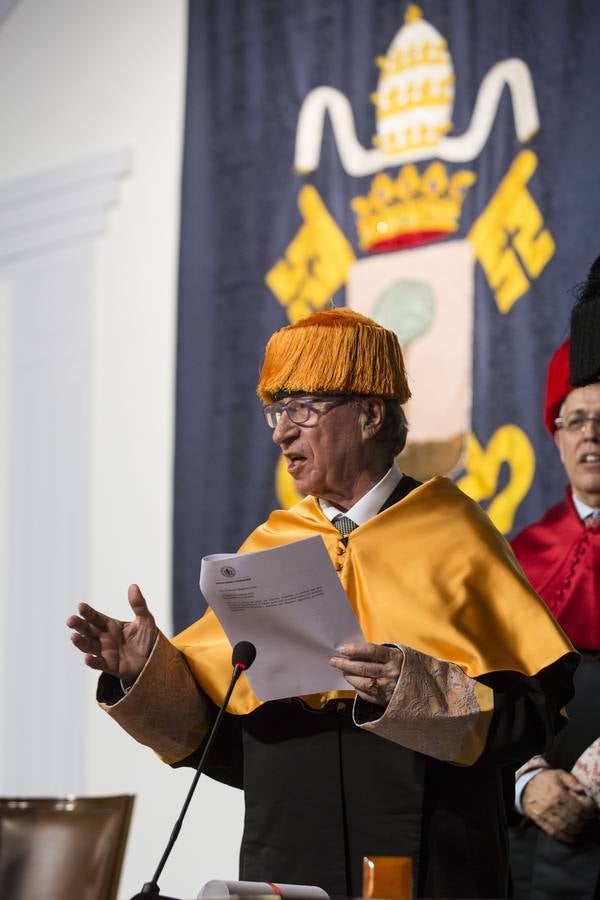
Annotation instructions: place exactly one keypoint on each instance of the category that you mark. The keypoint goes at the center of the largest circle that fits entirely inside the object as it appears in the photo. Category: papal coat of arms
(413, 276)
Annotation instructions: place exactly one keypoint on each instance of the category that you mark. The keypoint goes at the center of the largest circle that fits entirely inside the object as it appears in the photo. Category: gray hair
(394, 430)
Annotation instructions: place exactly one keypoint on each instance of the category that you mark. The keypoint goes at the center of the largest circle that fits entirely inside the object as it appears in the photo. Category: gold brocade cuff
(435, 709)
(164, 708)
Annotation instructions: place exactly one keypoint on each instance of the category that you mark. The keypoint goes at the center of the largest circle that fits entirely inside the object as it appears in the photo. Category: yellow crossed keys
(509, 237)
(509, 444)
(316, 261)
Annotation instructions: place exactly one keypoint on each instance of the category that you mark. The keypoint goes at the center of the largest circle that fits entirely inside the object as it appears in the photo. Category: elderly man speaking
(461, 678)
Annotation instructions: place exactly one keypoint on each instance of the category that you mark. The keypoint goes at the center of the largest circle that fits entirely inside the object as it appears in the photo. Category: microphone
(244, 654)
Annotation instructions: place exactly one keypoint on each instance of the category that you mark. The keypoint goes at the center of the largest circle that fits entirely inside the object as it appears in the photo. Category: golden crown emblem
(412, 208)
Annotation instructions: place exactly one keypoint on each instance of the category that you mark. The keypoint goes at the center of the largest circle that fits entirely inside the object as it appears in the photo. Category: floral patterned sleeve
(436, 709)
(587, 770)
(164, 709)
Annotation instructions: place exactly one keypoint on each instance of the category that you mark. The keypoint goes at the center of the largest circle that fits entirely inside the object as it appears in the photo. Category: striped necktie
(344, 525)
(592, 520)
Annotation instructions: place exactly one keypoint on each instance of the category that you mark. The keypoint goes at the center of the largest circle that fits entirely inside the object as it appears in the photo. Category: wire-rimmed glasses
(577, 422)
(305, 411)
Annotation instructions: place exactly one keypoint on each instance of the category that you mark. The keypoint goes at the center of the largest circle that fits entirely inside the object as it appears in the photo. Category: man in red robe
(560, 855)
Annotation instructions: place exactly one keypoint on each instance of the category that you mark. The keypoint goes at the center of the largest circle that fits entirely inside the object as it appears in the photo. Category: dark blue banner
(432, 166)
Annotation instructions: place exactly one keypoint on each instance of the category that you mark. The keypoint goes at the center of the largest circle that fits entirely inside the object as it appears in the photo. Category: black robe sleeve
(527, 712)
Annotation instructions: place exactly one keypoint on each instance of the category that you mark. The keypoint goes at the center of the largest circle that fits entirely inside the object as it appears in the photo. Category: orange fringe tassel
(336, 351)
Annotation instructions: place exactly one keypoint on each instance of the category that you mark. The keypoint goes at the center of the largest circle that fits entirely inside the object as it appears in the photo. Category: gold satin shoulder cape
(430, 572)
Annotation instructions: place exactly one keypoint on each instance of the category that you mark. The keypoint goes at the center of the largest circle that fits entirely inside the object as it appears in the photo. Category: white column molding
(59, 207)
(47, 225)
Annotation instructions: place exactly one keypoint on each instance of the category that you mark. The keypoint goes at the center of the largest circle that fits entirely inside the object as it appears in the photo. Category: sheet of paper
(290, 603)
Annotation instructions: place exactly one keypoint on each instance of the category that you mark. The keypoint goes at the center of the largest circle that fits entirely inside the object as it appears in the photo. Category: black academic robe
(544, 868)
(320, 793)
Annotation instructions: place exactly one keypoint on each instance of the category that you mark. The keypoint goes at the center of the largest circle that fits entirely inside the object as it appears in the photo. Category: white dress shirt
(369, 504)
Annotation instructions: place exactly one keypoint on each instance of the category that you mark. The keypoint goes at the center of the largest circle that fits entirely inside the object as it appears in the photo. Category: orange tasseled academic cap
(336, 351)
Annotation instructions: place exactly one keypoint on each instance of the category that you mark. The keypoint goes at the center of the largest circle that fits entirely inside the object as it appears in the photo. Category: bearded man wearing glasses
(556, 849)
(461, 677)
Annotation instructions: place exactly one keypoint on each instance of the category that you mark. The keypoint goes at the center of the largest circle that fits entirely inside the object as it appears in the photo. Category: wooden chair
(68, 848)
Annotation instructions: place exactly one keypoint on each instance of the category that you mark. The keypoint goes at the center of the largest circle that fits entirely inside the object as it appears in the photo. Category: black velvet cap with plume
(585, 331)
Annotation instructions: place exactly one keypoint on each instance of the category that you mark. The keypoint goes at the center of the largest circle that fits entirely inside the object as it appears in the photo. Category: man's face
(580, 449)
(332, 458)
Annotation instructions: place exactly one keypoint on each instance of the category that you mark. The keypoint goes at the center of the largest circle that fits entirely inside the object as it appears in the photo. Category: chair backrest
(68, 848)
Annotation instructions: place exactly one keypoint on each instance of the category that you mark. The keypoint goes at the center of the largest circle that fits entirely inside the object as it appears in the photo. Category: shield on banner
(426, 296)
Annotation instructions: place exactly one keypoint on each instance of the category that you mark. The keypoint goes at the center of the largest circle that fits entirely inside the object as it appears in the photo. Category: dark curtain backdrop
(251, 63)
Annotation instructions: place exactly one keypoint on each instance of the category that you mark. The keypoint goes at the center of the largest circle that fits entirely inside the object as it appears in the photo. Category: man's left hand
(372, 669)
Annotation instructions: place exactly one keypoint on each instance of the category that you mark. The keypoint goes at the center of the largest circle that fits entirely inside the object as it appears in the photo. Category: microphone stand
(151, 888)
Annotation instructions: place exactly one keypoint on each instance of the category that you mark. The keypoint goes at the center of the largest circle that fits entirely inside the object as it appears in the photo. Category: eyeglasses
(577, 422)
(304, 411)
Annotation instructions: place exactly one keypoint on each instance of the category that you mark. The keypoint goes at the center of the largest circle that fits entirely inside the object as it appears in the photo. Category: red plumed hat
(557, 385)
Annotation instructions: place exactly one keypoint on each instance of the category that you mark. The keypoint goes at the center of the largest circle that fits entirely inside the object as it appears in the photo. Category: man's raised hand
(112, 646)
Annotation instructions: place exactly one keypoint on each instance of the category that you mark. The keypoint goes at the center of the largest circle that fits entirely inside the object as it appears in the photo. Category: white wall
(81, 82)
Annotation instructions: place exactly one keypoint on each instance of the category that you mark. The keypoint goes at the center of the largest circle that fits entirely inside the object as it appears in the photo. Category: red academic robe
(561, 558)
